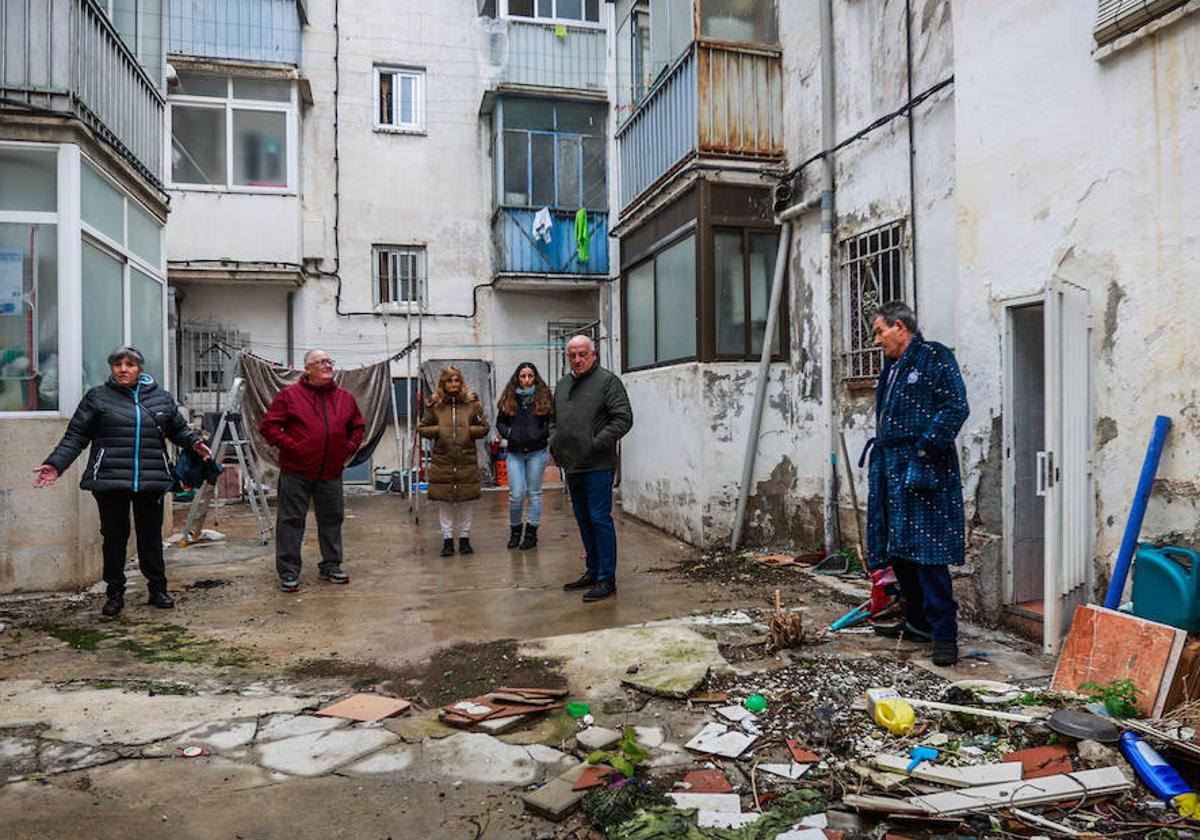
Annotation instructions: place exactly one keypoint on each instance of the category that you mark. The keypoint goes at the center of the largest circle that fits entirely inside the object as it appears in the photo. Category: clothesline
(400, 354)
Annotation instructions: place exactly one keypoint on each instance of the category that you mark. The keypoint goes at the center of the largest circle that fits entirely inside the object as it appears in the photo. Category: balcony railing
(539, 58)
(65, 56)
(519, 251)
(244, 30)
(718, 99)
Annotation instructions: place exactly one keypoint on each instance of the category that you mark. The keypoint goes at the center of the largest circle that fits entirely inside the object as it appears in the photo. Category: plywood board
(960, 777)
(1065, 787)
(366, 707)
(1105, 645)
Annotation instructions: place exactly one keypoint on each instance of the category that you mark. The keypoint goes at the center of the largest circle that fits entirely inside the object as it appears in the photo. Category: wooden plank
(1065, 787)
(960, 777)
(968, 710)
(1185, 687)
(1105, 645)
(366, 707)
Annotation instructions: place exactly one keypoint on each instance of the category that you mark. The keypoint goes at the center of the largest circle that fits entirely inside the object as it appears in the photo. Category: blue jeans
(525, 473)
(591, 499)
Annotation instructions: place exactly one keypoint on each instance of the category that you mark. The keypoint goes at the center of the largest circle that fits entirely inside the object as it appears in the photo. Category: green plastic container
(1166, 586)
(578, 710)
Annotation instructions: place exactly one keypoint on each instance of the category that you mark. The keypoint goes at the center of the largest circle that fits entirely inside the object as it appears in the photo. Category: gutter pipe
(760, 385)
(825, 296)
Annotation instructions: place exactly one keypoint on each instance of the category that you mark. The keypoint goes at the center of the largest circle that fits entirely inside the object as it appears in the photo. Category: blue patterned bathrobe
(915, 503)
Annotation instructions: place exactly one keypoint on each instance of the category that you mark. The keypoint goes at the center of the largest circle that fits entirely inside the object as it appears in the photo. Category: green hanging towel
(582, 239)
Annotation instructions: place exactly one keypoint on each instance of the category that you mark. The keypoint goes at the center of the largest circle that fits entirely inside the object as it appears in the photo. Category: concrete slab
(671, 660)
(553, 729)
(475, 757)
(221, 736)
(57, 757)
(390, 760)
(557, 798)
(598, 738)
(105, 716)
(319, 753)
(18, 757)
(650, 737)
(278, 727)
(416, 728)
(547, 755)
(1001, 663)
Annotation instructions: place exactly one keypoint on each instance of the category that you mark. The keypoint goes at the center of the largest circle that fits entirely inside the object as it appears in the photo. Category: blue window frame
(554, 154)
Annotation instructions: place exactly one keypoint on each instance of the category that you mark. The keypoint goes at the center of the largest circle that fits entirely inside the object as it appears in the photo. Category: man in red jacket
(317, 427)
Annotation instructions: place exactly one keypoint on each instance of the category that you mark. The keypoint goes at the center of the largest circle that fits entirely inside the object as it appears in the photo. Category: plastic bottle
(887, 708)
(1159, 776)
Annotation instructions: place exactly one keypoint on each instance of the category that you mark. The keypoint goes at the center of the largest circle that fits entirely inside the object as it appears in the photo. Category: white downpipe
(760, 385)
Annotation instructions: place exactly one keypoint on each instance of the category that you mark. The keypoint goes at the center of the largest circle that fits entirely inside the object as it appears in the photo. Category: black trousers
(295, 493)
(114, 527)
(928, 594)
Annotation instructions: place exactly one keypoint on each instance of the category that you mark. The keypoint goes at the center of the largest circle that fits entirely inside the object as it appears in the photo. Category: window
(399, 274)
(572, 11)
(401, 99)
(744, 264)
(1115, 18)
(872, 269)
(660, 307)
(28, 279)
(739, 20)
(123, 288)
(139, 23)
(554, 154)
(208, 354)
(233, 133)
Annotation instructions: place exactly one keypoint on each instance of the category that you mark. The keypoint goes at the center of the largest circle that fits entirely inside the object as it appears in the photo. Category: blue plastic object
(920, 754)
(1166, 586)
(1137, 513)
(1157, 775)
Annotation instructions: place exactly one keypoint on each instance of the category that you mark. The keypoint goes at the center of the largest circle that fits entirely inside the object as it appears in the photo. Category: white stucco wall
(234, 226)
(1080, 169)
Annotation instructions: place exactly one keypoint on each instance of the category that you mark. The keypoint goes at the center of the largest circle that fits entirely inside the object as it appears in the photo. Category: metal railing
(538, 57)
(246, 30)
(717, 99)
(66, 56)
(519, 251)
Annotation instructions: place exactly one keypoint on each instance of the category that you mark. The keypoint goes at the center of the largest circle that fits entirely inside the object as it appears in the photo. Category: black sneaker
(584, 582)
(514, 538)
(289, 583)
(464, 546)
(603, 589)
(112, 606)
(903, 630)
(333, 575)
(159, 598)
(447, 547)
(945, 652)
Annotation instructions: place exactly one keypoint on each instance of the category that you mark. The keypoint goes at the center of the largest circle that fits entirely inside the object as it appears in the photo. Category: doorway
(1048, 518)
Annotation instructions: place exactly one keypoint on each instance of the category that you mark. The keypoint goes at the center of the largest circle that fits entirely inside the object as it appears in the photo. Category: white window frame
(420, 253)
(229, 104)
(417, 74)
(129, 260)
(582, 23)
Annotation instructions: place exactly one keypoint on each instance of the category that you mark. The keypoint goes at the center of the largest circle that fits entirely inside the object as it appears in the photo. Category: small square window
(400, 97)
(399, 274)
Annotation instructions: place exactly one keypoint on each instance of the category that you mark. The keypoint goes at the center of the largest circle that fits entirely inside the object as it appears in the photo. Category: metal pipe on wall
(825, 296)
(760, 386)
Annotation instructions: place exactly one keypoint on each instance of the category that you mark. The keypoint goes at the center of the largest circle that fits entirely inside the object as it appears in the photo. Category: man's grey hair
(127, 352)
(898, 310)
(587, 338)
(308, 356)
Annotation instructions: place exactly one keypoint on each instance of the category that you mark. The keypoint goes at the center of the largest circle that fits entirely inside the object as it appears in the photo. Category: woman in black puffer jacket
(525, 409)
(126, 421)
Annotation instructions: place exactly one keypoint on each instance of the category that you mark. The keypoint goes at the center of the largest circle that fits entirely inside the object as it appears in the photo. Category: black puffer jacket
(122, 425)
(527, 432)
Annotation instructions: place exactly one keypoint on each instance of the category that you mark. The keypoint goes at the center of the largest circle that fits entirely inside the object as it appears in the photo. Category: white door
(1065, 466)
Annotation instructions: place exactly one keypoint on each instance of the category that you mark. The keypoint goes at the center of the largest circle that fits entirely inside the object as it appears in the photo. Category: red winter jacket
(315, 429)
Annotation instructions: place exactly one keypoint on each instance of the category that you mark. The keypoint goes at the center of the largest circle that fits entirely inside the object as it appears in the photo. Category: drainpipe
(760, 385)
(825, 298)
(291, 328)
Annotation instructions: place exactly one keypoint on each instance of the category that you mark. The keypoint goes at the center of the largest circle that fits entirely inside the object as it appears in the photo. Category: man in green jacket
(591, 413)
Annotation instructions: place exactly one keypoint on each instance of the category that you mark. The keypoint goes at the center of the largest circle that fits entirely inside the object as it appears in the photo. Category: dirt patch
(463, 670)
(742, 575)
(148, 642)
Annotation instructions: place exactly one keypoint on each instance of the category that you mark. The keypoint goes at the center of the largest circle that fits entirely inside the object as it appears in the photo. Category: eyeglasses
(322, 362)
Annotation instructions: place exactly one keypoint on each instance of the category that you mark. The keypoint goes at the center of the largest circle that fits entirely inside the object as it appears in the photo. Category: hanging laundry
(583, 240)
(542, 225)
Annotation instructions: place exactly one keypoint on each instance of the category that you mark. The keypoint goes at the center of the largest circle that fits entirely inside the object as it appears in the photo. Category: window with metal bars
(873, 273)
(399, 274)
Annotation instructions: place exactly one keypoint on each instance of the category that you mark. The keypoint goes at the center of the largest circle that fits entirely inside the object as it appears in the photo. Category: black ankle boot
(464, 546)
(159, 598)
(514, 539)
(114, 604)
(447, 547)
(530, 540)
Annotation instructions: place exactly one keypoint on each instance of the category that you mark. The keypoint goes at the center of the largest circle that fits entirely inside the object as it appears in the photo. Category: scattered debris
(718, 739)
(706, 781)
(1037, 762)
(558, 797)
(502, 710)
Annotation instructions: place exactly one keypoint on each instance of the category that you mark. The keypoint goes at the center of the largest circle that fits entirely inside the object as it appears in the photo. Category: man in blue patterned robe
(915, 501)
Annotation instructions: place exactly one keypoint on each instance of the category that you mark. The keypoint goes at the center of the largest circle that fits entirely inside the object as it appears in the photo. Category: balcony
(237, 30)
(519, 252)
(716, 100)
(538, 58)
(66, 56)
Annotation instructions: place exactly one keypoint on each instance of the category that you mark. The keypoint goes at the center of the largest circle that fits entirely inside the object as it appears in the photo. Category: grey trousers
(295, 491)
